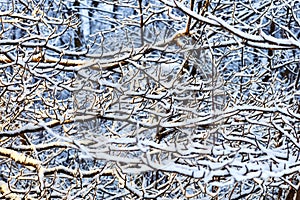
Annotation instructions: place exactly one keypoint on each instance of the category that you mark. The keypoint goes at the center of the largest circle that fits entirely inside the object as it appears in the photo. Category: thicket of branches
(149, 99)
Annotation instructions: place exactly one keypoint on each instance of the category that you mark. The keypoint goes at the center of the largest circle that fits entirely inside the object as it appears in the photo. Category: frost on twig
(6, 192)
(20, 158)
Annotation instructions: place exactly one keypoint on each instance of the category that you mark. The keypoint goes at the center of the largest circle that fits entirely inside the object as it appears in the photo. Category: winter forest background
(149, 99)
